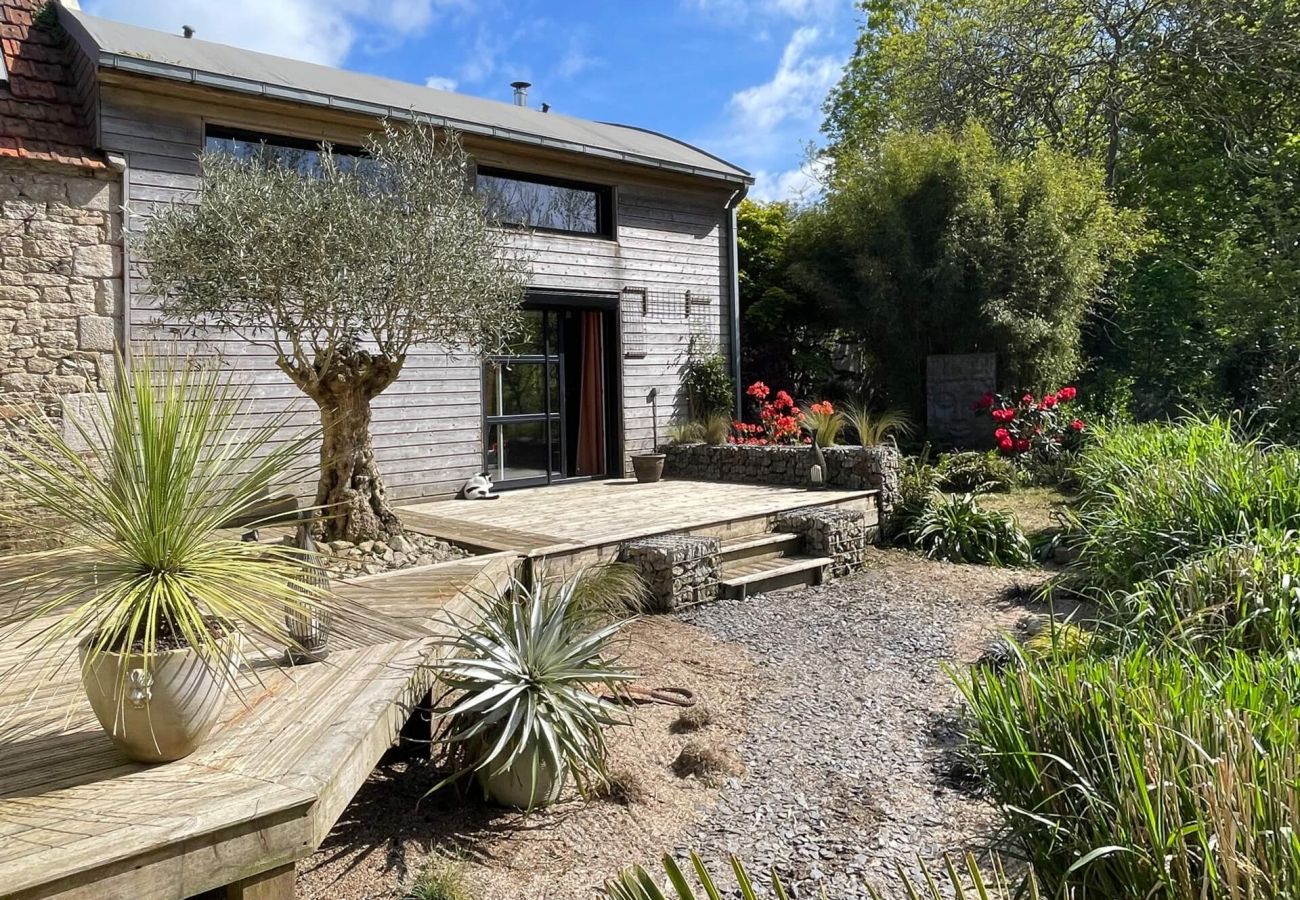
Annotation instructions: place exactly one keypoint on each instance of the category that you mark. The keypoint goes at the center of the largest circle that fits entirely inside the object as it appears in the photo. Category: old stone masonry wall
(60, 290)
(60, 283)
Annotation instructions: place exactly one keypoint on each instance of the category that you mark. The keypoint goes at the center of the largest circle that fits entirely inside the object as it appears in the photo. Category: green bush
(917, 486)
(958, 529)
(1145, 775)
(706, 379)
(976, 473)
(1154, 496)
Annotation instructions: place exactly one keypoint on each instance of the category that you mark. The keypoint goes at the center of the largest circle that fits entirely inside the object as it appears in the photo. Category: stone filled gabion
(841, 534)
(678, 569)
(847, 468)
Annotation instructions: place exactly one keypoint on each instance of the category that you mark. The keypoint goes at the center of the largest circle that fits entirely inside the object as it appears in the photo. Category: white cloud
(796, 90)
(438, 82)
(800, 185)
(321, 31)
(574, 62)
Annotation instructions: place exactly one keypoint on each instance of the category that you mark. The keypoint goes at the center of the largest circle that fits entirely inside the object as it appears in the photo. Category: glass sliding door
(522, 392)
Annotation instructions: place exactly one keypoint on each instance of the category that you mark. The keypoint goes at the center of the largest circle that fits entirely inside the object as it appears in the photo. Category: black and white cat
(479, 487)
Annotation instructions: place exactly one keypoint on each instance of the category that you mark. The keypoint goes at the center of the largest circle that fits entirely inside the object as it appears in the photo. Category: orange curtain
(591, 398)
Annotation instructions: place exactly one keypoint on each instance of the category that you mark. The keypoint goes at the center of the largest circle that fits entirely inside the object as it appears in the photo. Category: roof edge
(134, 65)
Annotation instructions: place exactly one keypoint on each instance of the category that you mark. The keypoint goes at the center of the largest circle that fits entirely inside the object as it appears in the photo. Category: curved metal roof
(129, 48)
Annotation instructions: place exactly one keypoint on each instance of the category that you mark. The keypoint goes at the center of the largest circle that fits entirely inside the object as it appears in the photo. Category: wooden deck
(569, 525)
(77, 820)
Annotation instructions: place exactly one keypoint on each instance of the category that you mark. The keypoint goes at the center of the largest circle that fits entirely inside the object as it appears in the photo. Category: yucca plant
(873, 427)
(958, 529)
(139, 492)
(966, 882)
(522, 705)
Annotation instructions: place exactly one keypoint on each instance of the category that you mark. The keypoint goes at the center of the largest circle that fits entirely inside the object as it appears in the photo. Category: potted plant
(649, 467)
(152, 597)
(521, 712)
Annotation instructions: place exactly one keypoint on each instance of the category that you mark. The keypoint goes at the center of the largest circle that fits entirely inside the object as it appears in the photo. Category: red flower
(1022, 444)
(1066, 394)
(983, 403)
(1005, 444)
(1077, 425)
(1003, 415)
(783, 399)
(1001, 433)
(758, 390)
(1049, 400)
(1027, 400)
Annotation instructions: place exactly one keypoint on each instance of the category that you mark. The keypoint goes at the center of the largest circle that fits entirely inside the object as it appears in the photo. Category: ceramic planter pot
(514, 787)
(168, 707)
(648, 467)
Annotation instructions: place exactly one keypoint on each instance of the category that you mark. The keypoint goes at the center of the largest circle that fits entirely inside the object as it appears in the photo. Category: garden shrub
(1145, 775)
(957, 529)
(1153, 496)
(918, 482)
(706, 379)
(976, 473)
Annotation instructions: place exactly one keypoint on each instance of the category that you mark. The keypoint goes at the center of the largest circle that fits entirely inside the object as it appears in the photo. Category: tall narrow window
(547, 204)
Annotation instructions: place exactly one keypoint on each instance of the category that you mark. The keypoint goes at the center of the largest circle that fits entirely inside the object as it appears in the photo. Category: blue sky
(742, 78)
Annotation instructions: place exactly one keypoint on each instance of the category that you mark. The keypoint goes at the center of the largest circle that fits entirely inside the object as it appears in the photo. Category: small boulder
(400, 544)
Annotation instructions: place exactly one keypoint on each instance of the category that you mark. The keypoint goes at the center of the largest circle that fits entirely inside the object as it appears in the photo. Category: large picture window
(295, 153)
(548, 204)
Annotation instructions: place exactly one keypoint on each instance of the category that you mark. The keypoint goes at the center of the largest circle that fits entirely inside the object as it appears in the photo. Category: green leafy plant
(976, 472)
(918, 482)
(706, 379)
(140, 488)
(965, 882)
(519, 678)
(958, 529)
(441, 879)
(824, 421)
(1145, 775)
(871, 427)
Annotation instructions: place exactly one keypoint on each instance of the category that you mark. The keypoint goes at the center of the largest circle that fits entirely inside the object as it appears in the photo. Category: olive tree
(340, 265)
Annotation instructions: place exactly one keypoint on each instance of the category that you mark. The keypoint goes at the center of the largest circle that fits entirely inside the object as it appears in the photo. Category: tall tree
(938, 243)
(340, 266)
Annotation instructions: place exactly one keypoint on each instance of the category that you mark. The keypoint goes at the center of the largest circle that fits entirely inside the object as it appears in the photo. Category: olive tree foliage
(340, 266)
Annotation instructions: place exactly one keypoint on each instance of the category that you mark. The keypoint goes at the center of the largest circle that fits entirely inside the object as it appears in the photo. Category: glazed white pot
(159, 709)
(514, 787)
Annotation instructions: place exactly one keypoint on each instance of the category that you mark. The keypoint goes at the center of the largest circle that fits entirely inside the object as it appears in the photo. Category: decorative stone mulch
(344, 559)
(845, 768)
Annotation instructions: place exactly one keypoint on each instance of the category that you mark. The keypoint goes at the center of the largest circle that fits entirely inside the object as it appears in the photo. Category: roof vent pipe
(521, 92)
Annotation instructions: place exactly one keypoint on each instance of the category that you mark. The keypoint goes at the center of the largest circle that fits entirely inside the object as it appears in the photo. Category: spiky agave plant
(965, 882)
(524, 675)
(139, 490)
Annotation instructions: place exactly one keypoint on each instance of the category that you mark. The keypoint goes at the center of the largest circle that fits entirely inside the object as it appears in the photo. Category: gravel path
(842, 775)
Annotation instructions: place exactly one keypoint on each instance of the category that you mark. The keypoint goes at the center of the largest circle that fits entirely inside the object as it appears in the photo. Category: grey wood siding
(427, 426)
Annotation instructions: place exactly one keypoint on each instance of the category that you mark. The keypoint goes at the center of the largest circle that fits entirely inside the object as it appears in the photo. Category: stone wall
(60, 291)
(843, 535)
(848, 468)
(678, 569)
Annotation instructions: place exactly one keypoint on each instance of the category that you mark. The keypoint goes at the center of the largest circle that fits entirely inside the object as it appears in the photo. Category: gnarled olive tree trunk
(350, 493)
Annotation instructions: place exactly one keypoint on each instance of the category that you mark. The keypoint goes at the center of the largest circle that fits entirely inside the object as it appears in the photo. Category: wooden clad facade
(668, 265)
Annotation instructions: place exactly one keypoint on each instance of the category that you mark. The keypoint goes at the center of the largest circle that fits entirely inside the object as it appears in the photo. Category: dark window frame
(227, 133)
(606, 227)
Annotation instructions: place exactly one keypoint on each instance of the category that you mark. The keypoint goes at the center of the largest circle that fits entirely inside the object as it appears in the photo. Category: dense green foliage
(1192, 110)
(1146, 775)
(958, 529)
(940, 243)
(976, 472)
(706, 379)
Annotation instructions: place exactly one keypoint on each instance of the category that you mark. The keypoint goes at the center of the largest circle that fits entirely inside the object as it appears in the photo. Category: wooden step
(745, 577)
(763, 546)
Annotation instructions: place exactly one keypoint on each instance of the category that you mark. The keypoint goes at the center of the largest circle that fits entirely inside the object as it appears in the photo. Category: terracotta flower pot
(648, 467)
(168, 706)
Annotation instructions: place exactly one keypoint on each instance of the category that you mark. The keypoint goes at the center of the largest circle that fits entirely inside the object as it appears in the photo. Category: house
(631, 234)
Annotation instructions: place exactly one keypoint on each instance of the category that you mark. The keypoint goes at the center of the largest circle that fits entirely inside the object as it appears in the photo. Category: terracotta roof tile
(39, 105)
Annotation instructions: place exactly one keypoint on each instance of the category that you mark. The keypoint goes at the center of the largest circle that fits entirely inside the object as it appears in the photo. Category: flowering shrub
(781, 422)
(1042, 425)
